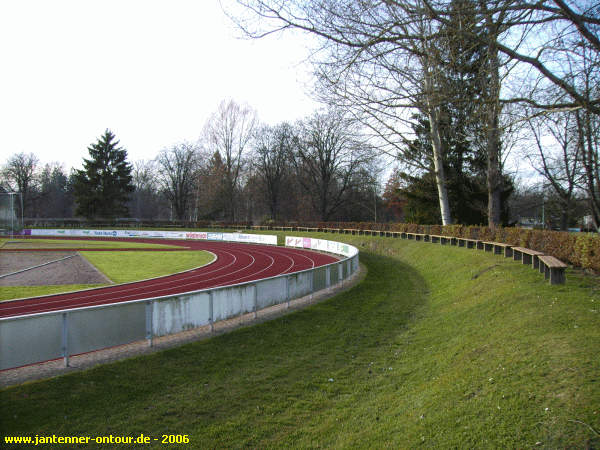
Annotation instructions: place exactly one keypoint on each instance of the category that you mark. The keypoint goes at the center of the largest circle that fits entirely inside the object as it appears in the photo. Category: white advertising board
(250, 238)
(266, 239)
(292, 241)
(194, 235)
(338, 248)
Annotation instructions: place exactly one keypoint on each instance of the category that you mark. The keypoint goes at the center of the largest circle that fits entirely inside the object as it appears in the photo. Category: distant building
(587, 222)
(529, 222)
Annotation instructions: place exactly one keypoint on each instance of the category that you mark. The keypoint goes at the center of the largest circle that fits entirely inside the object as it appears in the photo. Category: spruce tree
(102, 188)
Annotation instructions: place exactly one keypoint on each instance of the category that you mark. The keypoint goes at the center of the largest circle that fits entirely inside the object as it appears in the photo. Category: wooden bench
(527, 255)
(443, 240)
(467, 242)
(418, 236)
(553, 269)
(498, 248)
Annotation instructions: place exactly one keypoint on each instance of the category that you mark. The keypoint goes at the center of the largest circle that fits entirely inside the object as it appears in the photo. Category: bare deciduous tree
(560, 166)
(176, 169)
(20, 174)
(228, 132)
(274, 150)
(327, 158)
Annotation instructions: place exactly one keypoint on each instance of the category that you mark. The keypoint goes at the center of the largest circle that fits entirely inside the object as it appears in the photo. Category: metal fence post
(211, 311)
(255, 300)
(327, 276)
(149, 320)
(287, 291)
(312, 283)
(65, 339)
(341, 273)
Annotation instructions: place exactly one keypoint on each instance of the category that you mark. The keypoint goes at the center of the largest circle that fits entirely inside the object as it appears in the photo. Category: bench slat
(528, 251)
(551, 261)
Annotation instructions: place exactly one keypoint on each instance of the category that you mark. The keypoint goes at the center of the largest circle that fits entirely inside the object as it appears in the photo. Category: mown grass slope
(438, 347)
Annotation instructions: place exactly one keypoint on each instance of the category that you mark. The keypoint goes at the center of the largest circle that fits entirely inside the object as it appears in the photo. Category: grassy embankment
(439, 347)
(118, 266)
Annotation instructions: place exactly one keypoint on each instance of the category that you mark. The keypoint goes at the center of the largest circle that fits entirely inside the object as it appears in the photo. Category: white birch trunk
(438, 152)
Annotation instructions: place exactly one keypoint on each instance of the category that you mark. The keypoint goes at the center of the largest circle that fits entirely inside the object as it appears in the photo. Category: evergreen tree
(102, 188)
(465, 169)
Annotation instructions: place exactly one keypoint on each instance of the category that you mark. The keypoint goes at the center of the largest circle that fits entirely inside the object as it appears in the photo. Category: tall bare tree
(588, 143)
(327, 158)
(176, 169)
(20, 174)
(558, 162)
(274, 149)
(229, 131)
(54, 200)
(146, 201)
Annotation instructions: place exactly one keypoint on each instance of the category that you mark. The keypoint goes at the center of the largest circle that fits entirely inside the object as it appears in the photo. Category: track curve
(235, 263)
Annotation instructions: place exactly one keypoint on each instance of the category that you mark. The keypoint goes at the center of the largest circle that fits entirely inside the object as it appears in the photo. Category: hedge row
(578, 249)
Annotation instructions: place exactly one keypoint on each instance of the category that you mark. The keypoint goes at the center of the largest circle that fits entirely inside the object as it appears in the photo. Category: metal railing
(53, 335)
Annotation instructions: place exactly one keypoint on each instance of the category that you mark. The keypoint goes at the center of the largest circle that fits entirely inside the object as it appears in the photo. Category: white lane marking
(35, 267)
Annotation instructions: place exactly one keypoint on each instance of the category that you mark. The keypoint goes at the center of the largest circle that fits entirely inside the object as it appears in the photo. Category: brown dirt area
(74, 270)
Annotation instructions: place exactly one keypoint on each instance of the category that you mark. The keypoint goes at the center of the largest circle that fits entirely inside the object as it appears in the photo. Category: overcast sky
(151, 71)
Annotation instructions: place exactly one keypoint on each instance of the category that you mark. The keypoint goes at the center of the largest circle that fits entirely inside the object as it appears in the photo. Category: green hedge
(578, 249)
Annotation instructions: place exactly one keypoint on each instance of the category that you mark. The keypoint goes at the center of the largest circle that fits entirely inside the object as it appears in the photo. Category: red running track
(236, 263)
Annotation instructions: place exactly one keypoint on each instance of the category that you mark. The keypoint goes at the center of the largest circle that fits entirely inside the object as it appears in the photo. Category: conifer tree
(102, 188)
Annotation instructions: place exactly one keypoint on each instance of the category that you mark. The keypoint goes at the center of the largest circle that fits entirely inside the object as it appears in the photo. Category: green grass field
(121, 267)
(439, 347)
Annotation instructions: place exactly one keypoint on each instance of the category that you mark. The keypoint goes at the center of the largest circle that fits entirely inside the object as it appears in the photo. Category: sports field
(439, 346)
(114, 266)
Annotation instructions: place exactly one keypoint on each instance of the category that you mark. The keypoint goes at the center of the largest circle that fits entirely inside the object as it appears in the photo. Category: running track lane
(236, 263)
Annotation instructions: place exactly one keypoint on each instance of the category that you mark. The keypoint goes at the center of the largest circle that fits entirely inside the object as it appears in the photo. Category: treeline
(320, 168)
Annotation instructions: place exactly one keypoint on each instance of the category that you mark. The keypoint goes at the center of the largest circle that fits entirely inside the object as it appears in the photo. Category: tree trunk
(438, 164)
(438, 151)
(494, 171)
